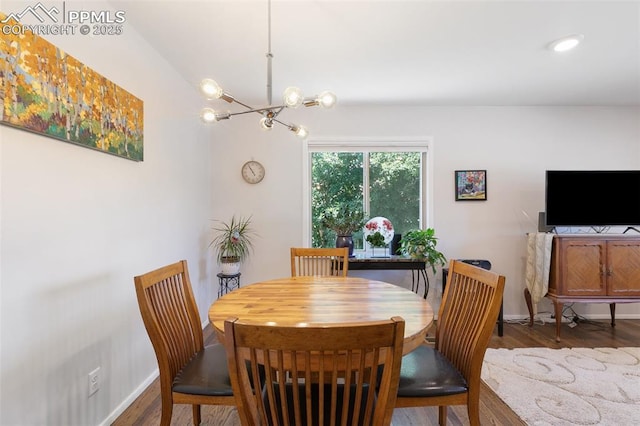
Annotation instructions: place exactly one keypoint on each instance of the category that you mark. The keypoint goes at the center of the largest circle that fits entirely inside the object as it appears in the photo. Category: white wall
(514, 144)
(76, 225)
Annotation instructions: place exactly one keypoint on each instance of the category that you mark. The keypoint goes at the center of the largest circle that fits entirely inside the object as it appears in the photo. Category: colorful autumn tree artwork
(46, 91)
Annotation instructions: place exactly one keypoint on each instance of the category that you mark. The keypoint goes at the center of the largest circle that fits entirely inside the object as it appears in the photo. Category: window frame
(424, 145)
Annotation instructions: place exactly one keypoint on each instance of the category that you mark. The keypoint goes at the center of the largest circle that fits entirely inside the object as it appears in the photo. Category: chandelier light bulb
(266, 123)
(327, 99)
(211, 89)
(300, 131)
(292, 97)
(208, 115)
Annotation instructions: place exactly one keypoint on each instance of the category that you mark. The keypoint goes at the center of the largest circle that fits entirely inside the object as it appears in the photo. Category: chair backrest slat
(468, 312)
(170, 315)
(316, 374)
(319, 261)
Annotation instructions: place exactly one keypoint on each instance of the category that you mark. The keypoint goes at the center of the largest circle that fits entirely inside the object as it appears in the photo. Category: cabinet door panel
(623, 268)
(584, 266)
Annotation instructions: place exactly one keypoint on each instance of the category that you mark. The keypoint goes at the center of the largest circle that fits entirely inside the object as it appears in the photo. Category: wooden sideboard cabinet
(602, 268)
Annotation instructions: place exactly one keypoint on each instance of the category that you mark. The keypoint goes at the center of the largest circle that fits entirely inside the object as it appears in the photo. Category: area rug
(570, 386)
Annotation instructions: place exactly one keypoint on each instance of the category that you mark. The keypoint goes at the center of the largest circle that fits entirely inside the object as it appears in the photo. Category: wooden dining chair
(316, 374)
(319, 261)
(449, 372)
(190, 373)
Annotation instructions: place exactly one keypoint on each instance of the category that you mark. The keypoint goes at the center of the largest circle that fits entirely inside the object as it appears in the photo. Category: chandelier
(291, 98)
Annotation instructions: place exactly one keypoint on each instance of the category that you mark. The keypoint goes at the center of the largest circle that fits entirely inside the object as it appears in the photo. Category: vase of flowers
(344, 220)
(233, 243)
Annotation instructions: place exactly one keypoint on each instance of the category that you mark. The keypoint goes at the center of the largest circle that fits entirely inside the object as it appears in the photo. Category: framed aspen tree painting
(46, 91)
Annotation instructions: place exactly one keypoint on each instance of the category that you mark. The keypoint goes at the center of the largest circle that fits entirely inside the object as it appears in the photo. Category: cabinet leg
(558, 308)
(527, 298)
(612, 308)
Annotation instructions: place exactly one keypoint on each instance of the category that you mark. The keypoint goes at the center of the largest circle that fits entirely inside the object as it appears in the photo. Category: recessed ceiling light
(566, 43)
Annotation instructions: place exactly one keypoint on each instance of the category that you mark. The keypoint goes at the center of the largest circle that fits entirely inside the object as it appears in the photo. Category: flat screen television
(592, 197)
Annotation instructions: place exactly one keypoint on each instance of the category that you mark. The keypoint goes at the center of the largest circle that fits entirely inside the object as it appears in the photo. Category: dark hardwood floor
(146, 409)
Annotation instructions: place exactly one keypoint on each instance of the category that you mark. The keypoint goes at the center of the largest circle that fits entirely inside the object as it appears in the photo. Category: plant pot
(230, 268)
(345, 241)
(380, 252)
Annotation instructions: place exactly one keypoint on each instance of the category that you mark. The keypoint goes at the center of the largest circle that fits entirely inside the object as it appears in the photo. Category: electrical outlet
(94, 381)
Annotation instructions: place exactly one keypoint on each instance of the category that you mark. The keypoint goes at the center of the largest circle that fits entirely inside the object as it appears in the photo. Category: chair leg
(473, 410)
(197, 419)
(442, 415)
(166, 412)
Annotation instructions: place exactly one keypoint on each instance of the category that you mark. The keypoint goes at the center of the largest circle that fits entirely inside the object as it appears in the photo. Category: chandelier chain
(269, 58)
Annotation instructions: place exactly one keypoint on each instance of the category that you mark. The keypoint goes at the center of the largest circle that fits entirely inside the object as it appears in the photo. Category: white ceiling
(480, 52)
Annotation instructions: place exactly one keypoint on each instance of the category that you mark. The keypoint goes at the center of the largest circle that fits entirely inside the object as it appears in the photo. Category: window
(385, 178)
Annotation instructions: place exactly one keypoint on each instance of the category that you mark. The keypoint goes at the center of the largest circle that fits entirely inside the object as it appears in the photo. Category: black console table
(418, 268)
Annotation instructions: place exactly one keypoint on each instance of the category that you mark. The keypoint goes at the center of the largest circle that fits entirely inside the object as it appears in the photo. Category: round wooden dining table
(331, 300)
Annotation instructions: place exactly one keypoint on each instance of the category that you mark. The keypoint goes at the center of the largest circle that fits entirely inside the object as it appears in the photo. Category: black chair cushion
(205, 374)
(426, 372)
(315, 396)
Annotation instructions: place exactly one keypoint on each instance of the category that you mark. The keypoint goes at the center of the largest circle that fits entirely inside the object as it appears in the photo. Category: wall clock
(253, 172)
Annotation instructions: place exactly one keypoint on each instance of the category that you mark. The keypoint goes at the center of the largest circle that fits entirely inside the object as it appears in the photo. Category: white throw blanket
(538, 264)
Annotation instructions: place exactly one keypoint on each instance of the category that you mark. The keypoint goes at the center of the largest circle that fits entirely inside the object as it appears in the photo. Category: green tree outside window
(393, 192)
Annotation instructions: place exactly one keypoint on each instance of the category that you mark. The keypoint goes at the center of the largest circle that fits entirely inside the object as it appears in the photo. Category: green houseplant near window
(421, 244)
(233, 243)
(344, 220)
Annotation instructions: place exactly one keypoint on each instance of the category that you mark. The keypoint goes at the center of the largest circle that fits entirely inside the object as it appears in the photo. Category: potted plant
(344, 220)
(376, 240)
(233, 243)
(421, 244)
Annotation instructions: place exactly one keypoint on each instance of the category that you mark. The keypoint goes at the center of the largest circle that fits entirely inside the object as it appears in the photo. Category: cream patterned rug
(577, 386)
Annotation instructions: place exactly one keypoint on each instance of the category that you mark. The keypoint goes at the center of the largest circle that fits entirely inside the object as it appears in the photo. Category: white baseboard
(135, 394)
(590, 317)
(130, 399)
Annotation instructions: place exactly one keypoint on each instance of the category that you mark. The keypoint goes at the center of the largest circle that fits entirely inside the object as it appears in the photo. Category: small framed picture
(471, 185)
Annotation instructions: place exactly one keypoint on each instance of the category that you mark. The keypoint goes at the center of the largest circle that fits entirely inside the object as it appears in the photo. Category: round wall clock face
(252, 172)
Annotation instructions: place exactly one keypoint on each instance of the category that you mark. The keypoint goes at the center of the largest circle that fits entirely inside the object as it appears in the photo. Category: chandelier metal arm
(244, 105)
(275, 109)
(287, 125)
